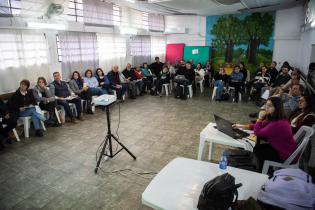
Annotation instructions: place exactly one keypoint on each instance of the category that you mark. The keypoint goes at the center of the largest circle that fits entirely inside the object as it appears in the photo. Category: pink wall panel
(174, 52)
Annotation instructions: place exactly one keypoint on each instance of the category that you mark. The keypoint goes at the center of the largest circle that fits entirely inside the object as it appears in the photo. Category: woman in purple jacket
(275, 129)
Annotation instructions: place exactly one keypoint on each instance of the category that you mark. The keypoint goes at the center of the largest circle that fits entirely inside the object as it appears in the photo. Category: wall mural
(244, 37)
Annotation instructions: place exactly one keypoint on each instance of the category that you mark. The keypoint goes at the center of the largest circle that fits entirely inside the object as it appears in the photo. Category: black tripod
(108, 142)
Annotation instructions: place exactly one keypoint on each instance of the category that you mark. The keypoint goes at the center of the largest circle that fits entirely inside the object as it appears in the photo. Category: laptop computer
(225, 126)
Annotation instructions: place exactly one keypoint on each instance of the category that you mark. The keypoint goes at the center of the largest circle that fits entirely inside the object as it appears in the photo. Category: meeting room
(157, 104)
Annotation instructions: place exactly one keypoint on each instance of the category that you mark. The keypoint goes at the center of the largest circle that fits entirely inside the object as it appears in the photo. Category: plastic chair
(239, 93)
(14, 132)
(26, 121)
(190, 90)
(304, 132)
(167, 87)
(73, 109)
(201, 85)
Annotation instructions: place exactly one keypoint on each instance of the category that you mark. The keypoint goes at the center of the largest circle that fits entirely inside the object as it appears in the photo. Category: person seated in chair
(261, 80)
(185, 76)
(146, 83)
(23, 104)
(8, 122)
(283, 77)
(163, 79)
(103, 81)
(76, 84)
(199, 73)
(275, 129)
(92, 83)
(45, 99)
(273, 72)
(305, 115)
(132, 81)
(116, 83)
(236, 81)
(244, 72)
(221, 80)
(156, 67)
(291, 100)
(147, 77)
(64, 96)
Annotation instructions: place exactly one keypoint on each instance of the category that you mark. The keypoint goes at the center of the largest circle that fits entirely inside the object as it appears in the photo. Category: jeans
(96, 91)
(36, 117)
(120, 91)
(219, 91)
(139, 85)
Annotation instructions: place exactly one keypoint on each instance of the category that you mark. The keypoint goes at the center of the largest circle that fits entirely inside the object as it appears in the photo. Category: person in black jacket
(8, 122)
(156, 67)
(163, 79)
(115, 83)
(132, 81)
(185, 76)
(221, 79)
(273, 72)
(23, 104)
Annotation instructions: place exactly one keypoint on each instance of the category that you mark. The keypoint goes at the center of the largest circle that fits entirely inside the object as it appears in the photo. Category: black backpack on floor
(219, 194)
(178, 91)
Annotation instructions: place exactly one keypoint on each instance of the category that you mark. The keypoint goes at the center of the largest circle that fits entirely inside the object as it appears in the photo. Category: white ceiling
(207, 7)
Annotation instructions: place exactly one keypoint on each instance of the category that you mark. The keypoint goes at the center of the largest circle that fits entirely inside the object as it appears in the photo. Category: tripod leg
(123, 146)
(101, 155)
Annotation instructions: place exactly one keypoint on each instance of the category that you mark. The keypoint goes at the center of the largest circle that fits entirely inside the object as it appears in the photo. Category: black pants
(237, 86)
(10, 125)
(65, 104)
(266, 152)
(159, 83)
(147, 83)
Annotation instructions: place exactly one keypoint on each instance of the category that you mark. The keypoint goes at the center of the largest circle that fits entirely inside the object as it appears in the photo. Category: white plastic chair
(26, 121)
(239, 93)
(305, 132)
(200, 82)
(190, 90)
(73, 109)
(14, 132)
(167, 87)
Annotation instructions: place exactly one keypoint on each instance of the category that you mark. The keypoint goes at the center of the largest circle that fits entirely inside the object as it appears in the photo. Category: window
(75, 10)
(134, 19)
(156, 22)
(98, 12)
(10, 7)
(58, 48)
(18, 49)
(140, 46)
(158, 47)
(116, 15)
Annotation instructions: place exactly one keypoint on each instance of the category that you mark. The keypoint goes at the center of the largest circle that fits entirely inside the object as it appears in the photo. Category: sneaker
(80, 118)
(89, 111)
(39, 133)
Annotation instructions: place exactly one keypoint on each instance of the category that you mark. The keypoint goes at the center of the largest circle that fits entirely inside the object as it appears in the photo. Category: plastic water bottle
(223, 163)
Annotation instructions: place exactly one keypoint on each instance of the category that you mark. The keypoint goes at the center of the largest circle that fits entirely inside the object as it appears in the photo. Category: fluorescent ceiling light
(38, 25)
(125, 30)
(131, 1)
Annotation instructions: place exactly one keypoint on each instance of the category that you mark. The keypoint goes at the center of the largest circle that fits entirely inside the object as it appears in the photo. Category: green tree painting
(258, 28)
(227, 31)
(243, 37)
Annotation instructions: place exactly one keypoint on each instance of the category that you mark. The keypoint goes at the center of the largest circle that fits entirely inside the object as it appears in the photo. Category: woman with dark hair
(79, 88)
(274, 128)
(23, 103)
(305, 115)
(103, 81)
(92, 83)
(45, 99)
(209, 73)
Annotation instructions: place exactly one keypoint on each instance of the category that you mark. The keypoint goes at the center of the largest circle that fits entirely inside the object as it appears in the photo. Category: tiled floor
(57, 171)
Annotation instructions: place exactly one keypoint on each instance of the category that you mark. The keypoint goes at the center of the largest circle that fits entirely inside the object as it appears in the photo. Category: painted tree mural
(258, 28)
(227, 33)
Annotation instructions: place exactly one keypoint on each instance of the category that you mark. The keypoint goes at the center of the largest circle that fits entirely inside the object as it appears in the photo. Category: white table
(178, 185)
(212, 135)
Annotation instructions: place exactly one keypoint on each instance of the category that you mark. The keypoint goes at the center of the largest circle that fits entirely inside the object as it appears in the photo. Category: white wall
(287, 38)
(194, 28)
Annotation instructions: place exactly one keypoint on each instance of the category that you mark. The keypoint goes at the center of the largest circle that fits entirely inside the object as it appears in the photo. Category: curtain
(140, 49)
(158, 48)
(112, 51)
(131, 18)
(156, 22)
(78, 52)
(23, 55)
(98, 12)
